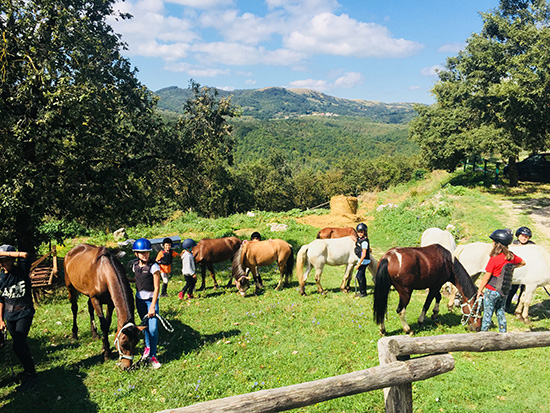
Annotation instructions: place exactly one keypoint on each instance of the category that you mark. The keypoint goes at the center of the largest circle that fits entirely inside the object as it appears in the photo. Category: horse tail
(237, 264)
(382, 286)
(301, 259)
(289, 265)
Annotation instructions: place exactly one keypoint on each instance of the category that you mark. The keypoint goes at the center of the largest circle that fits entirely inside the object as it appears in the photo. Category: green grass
(225, 345)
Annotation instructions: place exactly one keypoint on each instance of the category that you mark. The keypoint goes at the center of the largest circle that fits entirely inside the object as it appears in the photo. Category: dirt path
(536, 210)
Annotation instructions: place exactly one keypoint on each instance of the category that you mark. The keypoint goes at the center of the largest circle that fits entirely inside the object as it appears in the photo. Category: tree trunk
(512, 171)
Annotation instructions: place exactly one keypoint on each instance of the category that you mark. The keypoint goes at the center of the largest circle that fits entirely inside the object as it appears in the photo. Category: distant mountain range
(280, 103)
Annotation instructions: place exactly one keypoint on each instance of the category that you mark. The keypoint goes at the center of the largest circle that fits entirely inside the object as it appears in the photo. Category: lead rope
(477, 306)
(165, 323)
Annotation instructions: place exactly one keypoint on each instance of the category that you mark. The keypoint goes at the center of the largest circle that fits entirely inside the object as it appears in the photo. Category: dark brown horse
(329, 232)
(95, 272)
(212, 251)
(254, 254)
(409, 269)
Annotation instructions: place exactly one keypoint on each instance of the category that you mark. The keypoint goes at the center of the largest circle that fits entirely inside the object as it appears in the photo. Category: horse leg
(347, 278)
(211, 269)
(93, 328)
(203, 276)
(318, 273)
(256, 276)
(104, 327)
(522, 310)
(304, 278)
(282, 277)
(73, 299)
(403, 302)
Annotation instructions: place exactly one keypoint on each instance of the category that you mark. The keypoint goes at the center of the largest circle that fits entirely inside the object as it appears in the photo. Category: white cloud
(239, 54)
(349, 80)
(166, 52)
(227, 88)
(342, 36)
(194, 70)
(202, 4)
(250, 82)
(451, 48)
(431, 71)
(319, 85)
(414, 88)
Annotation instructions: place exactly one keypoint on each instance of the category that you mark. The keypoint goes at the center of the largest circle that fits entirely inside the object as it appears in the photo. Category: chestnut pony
(95, 272)
(329, 232)
(212, 251)
(409, 269)
(254, 254)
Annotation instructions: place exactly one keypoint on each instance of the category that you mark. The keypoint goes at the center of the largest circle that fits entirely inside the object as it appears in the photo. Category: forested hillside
(318, 141)
(277, 102)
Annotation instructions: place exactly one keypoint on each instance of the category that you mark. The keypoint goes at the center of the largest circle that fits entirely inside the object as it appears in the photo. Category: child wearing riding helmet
(17, 310)
(493, 297)
(147, 274)
(188, 268)
(362, 250)
(164, 260)
(523, 237)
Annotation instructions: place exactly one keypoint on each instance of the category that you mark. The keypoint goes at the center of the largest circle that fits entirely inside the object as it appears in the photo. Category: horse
(444, 238)
(329, 232)
(409, 269)
(254, 254)
(212, 251)
(334, 252)
(535, 273)
(95, 272)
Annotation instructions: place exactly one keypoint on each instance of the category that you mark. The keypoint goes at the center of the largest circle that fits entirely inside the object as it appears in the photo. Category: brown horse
(329, 232)
(212, 251)
(409, 269)
(95, 272)
(254, 254)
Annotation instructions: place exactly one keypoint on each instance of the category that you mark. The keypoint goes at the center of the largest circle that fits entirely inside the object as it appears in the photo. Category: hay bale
(343, 205)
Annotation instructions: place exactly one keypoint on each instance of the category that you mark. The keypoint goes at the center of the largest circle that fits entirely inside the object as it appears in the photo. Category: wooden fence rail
(305, 394)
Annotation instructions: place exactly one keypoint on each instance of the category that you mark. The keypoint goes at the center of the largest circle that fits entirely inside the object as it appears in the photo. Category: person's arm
(2, 323)
(156, 284)
(484, 282)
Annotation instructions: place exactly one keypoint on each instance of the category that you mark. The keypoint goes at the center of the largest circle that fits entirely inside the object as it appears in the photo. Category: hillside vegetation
(225, 345)
(278, 102)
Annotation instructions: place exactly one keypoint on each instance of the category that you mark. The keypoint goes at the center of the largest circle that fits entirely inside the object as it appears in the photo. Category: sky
(381, 50)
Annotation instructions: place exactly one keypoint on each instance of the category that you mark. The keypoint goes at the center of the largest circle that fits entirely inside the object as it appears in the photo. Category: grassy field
(225, 345)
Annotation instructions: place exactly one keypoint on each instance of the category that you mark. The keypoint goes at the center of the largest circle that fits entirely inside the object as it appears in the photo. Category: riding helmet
(361, 227)
(502, 236)
(6, 248)
(188, 243)
(255, 235)
(525, 231)
(141, 245)
(167, 241)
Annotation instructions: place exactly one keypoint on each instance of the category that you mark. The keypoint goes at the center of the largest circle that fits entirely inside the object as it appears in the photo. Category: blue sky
(385, 51)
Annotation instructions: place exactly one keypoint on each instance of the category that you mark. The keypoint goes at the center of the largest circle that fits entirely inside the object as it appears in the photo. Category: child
(493, 300)
(164, 260)
(188, 268)
(147, 275)
(523, 235)
(17, 311)
(362, 251)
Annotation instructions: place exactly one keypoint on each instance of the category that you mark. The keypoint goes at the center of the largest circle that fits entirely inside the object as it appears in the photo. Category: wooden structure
(394, 374)
(43, 272)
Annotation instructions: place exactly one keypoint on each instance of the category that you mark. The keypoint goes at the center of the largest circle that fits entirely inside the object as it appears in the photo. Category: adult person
(494, 296)
(17, 311)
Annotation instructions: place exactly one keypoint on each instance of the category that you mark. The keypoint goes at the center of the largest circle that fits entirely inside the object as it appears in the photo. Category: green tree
(79, 132)
(492, 98)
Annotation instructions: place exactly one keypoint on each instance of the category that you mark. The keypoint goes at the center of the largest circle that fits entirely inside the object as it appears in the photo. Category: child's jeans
(151, 332)
(493, 302)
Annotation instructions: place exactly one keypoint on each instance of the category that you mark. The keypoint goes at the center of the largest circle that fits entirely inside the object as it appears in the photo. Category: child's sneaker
(146, 353)
(189, 296)
(180, 295)
(155, 363)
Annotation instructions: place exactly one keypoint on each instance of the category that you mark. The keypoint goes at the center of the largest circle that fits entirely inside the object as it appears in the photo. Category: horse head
(125, 342)
(472, 313)
(243, 283)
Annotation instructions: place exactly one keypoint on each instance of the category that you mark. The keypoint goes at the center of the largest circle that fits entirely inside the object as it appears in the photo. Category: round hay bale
(343, 205)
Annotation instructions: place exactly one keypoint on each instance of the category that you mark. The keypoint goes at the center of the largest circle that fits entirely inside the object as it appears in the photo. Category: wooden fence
(394, 374)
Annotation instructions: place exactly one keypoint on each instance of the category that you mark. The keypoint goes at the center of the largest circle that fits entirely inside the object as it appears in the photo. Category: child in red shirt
(493, 300)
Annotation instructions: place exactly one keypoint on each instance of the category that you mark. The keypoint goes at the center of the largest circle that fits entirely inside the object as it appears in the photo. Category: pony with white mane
(334, 252)
(535, 273)
(438, 236)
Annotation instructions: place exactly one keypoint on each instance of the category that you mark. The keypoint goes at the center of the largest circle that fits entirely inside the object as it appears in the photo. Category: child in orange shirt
(164, 260)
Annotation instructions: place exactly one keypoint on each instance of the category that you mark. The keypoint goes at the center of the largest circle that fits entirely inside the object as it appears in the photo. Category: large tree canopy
(79, 132)
(492, 98)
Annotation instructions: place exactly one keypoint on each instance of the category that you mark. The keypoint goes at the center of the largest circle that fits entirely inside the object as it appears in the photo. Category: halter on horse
(95, 272)
(409, 269)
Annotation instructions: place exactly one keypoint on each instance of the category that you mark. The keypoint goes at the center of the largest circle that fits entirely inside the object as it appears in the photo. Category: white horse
(446, 240)
(535, 273)
(334, 252)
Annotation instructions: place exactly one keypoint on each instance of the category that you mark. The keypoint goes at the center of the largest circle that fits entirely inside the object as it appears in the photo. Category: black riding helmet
(525, 231)
(255, 235)
(502, 236)
(361, 227)
(6, 248)
(167, 241)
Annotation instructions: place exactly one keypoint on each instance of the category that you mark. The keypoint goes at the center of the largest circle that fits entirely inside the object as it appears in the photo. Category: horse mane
(462, 278)
(126, 291)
